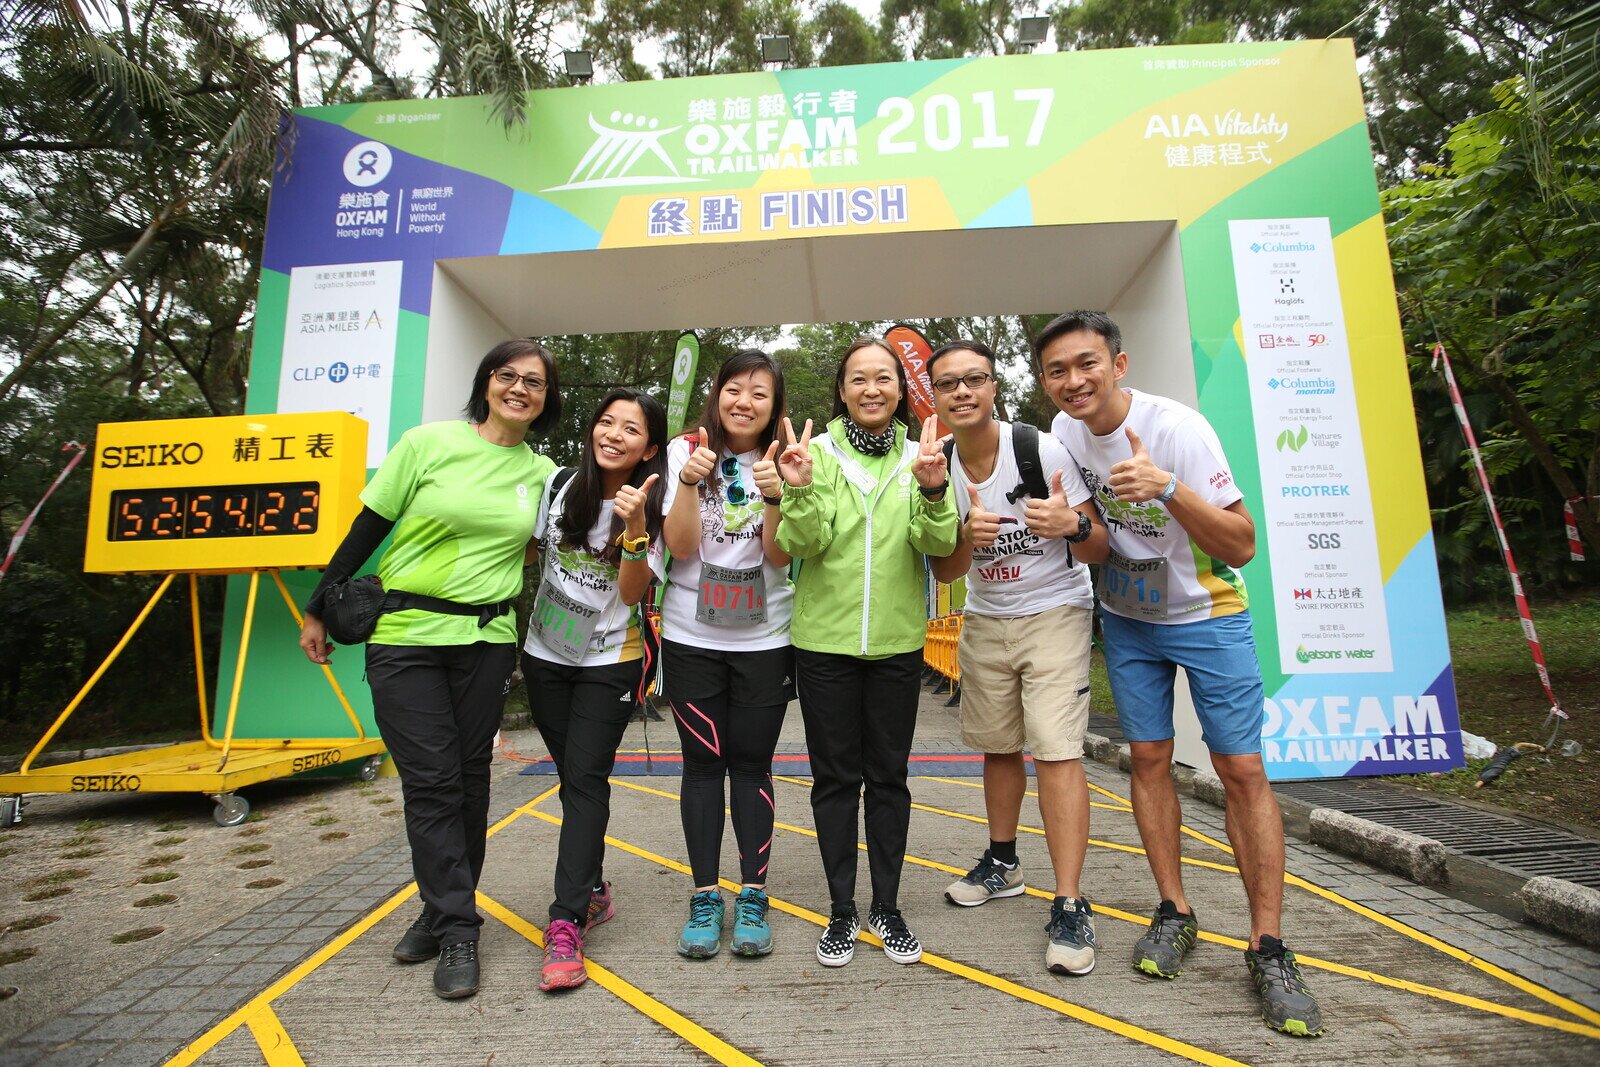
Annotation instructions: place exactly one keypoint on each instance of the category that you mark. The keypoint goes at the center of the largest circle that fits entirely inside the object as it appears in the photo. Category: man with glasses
(1024, 651)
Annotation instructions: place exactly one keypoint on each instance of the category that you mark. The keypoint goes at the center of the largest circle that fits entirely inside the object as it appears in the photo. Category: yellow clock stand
(187, 497)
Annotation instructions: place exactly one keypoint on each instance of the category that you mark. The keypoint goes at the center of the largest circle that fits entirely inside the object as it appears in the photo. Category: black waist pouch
(352, 606)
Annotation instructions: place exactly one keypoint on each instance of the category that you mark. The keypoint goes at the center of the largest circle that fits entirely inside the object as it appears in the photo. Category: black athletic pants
(860, 715)
(581, 713)
(728, 707)
(438, 708)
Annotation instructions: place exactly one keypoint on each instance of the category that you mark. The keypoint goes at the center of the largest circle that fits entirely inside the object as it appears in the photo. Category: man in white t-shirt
(1171, 596)
(1025, 636)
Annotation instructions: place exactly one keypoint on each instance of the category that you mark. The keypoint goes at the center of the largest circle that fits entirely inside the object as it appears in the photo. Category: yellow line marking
(1114, 846)
(960, 970)
(209, 1040)
(967, 784)
(1450, 996)
(1533, 989)
(273, 1040)
(638, 999)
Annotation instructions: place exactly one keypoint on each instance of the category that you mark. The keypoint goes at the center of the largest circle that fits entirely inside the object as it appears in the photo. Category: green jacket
(863, 583)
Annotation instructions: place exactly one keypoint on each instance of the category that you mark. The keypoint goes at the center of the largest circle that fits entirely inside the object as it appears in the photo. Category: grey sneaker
(1286, 1003)
(989, 880)
(1070, 949)
(1161, 950)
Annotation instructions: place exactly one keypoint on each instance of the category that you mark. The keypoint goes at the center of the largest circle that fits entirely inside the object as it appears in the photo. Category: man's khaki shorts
(1026, 680)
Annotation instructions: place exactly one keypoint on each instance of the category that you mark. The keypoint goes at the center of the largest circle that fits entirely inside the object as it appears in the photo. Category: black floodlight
(1031, 32)
(580, 65)
(775, 49)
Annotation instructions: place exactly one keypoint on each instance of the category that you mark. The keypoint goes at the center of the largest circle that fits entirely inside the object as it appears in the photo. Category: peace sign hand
(930, 468)
(795, 462)
(1052, 516)
(983, 527)
(1137, 479)
(766, 475)
(629, 506)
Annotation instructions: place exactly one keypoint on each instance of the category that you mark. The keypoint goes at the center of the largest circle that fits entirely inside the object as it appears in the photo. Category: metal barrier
(939, 653)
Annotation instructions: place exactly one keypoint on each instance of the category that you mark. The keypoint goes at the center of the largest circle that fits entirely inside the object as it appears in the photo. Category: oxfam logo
(1293, 441)
(367, 163)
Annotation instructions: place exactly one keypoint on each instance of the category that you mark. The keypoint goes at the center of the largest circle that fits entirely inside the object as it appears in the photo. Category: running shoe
(456, 974)
(1070, 949)
(601, 907)
(752, 936)
(418, 943)
(989, 880)
(1161, 950)
(899, 943)
(702, 934)
(837, 945)
(1286, 1003)
(563, 957)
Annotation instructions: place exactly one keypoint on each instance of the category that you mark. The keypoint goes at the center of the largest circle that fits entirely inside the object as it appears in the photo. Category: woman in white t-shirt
(583, 657)
(728, 668)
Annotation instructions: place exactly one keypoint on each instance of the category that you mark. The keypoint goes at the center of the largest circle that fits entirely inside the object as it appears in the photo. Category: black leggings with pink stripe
(729, 708)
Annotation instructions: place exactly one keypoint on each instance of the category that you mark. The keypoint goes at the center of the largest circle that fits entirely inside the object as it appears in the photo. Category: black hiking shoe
(456, 974)
(418, 944)
(1171, 935)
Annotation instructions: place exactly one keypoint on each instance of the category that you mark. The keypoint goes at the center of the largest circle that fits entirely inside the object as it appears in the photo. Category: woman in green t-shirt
(460, 499)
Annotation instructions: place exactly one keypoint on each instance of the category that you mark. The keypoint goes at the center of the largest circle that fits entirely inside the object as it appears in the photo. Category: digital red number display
(213, 511)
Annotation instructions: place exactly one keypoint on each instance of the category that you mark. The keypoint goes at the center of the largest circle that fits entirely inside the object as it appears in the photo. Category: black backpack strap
(560, 478)
(1025, 444)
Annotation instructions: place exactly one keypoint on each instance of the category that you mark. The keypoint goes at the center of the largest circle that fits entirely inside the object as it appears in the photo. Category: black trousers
(438, 708)
(728, 707)
(860, 716)
(581, 713)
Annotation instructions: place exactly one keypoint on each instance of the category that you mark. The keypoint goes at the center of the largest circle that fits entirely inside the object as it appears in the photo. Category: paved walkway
(1404, 973)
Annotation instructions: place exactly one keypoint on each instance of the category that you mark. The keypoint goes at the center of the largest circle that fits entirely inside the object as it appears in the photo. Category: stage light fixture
(775, 49)
(579, 65)
(1031, 32)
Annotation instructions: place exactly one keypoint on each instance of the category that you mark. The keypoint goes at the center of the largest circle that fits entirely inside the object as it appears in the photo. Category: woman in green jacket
(863, 506)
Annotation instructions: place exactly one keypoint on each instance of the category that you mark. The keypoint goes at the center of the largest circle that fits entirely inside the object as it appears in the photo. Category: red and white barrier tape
(27, 523)
(1441, 357)
(1574, 542)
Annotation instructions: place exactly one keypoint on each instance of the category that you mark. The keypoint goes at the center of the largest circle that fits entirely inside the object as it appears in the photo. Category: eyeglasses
(510, 377)
(974, 381)
(731, 483)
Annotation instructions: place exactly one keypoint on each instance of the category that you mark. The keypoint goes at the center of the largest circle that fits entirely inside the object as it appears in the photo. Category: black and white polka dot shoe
(837, 945)
(899, 943)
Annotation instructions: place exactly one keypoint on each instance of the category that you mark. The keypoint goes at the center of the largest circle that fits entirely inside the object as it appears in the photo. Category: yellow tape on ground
(273, 1040)
(1123, 808)
(1450, 996)
(1116, 1026)
(1511, 978)
(209, 1040)
(636, 998)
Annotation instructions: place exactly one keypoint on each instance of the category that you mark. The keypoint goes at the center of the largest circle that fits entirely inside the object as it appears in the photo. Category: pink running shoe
(601, 907)
(563, 957)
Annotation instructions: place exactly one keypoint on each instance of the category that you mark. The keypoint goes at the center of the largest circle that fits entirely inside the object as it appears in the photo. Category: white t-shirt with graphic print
(589, 580)
(730, 536)
(1156, 572)
(1021, 573)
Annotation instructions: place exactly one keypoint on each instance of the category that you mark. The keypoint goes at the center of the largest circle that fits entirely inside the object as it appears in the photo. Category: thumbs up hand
(700, 463)
(1137, 479)
(982, 526)
(1052, 516)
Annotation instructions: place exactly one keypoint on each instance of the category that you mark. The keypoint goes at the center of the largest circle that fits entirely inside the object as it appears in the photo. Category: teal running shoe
(702, 934)
(751, 934)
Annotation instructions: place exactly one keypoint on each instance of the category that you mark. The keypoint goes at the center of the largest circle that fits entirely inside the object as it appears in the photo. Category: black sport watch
(1085, 528)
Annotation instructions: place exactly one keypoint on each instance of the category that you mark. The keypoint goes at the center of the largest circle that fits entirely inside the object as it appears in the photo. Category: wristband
(937, 490)
(773, 500)
(634, 556)
(1169, 492)
(684, 481)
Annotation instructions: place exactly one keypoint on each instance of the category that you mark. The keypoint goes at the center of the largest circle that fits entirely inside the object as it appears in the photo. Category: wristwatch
(1085, 528)
(1169, 492)
(633, 544)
